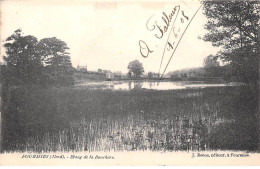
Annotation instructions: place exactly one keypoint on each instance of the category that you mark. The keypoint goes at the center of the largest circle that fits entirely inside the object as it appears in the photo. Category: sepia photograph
(89, 82)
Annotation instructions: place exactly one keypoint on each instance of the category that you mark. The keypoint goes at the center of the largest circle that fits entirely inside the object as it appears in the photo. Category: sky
(106, 35)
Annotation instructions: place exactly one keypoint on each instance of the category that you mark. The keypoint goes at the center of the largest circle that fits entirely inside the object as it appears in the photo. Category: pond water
(154, 85)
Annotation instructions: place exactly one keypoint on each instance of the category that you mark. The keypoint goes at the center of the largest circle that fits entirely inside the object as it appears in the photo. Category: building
(82, 68)
(109, 75)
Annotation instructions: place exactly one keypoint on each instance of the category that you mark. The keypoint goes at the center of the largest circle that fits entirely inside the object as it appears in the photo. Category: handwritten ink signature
(167, 21)
(160, 31)
(144, 49)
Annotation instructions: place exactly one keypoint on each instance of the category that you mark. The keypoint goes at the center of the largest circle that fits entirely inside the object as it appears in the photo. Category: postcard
(148, 83)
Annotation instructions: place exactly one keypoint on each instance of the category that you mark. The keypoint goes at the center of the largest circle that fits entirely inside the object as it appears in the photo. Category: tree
(30, 61)
(150, 75)
(212, 66)
(234, 26)
(23, 60)
(100, 71)
(211, 61)
(56, 60)
(129, 74)
(136, 68)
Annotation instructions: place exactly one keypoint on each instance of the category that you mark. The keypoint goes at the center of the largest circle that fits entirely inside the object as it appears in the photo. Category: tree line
(234, 26)
(211, 70)
(29, 61)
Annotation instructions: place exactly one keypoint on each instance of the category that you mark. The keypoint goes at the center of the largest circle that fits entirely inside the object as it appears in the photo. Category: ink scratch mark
(168, 38)
(178, 42)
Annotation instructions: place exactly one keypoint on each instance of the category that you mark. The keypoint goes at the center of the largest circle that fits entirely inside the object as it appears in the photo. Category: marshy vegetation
(72, 119)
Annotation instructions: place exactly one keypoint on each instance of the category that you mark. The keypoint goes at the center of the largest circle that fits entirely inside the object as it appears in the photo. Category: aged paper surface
(129, 82)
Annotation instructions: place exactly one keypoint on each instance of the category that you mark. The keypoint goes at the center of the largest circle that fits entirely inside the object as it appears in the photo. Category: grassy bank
(65, 119)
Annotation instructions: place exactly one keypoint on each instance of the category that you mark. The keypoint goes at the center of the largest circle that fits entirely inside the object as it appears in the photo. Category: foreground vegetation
(72, 119)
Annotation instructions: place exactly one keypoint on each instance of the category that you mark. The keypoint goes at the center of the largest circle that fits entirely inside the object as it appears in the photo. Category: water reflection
(130, 85)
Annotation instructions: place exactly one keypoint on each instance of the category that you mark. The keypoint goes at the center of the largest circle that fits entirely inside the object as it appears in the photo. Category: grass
(72, 119)
(84, 77)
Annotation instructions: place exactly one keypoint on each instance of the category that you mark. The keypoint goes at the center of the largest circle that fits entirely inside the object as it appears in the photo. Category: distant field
(66, 119)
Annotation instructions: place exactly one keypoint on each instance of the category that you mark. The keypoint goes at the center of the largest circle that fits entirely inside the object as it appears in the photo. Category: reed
(70, 119)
